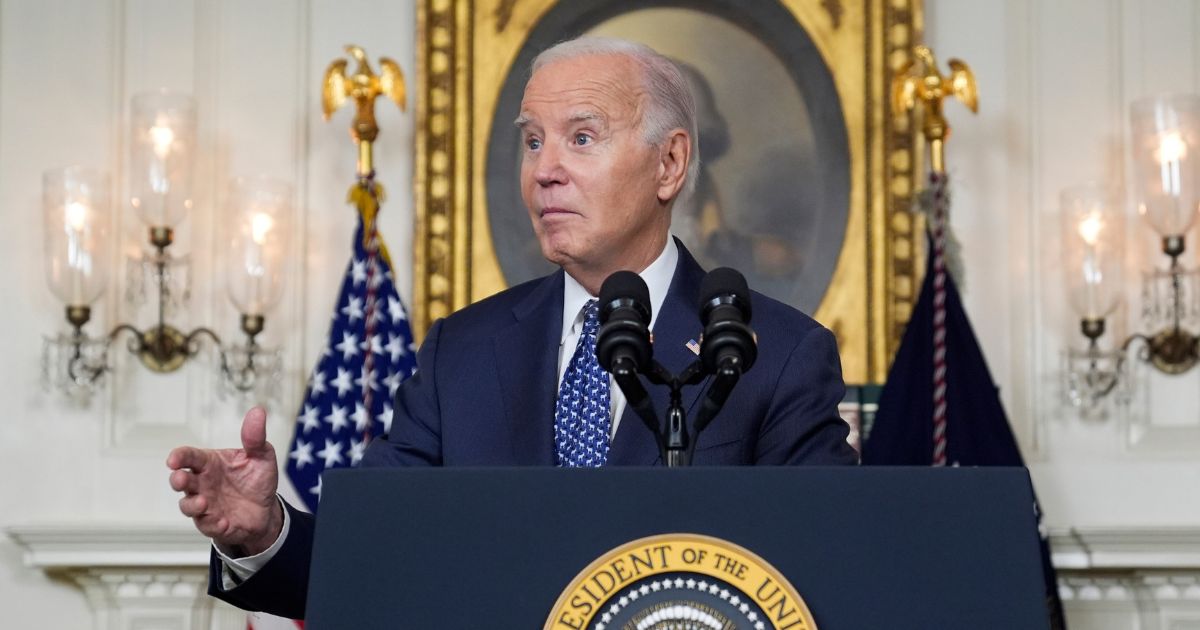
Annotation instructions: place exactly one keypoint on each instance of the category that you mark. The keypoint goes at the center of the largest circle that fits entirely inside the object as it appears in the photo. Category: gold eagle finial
(362, 86)
(918, 82)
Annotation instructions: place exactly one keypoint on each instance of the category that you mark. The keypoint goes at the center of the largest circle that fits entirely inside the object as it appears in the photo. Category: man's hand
(230, 493)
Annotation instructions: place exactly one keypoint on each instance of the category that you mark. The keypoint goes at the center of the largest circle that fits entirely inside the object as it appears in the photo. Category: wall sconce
(76, 216)
(1165, 143)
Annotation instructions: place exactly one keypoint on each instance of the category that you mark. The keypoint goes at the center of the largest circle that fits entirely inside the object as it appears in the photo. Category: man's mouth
(554, 211)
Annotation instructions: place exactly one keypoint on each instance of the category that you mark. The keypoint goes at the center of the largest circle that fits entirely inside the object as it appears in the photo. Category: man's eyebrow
(585, 116)
(522, 121)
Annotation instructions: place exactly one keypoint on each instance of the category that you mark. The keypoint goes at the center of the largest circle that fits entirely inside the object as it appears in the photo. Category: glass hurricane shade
(1166, 161)
(75, 213)
(163, 127)
(1093, 247)
(259, 221)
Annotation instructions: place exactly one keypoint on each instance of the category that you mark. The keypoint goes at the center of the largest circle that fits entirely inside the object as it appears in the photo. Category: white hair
(669, 103)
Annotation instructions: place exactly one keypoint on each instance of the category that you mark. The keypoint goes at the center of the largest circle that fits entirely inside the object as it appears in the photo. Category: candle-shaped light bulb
(76, 216)
(161, 136)
(1171, 148)
(260, 226)
(1091, 227)
(78, 260)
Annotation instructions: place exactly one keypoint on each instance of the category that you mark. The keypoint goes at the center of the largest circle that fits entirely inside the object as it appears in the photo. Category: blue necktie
(582, 417)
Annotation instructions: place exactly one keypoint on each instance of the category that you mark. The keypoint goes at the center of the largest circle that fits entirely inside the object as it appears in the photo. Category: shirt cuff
(234, 571)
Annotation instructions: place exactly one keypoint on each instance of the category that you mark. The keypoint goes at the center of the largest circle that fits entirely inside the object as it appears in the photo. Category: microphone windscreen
(726, 281)
(625, 285)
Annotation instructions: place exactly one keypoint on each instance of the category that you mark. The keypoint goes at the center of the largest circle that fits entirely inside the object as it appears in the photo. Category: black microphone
(728, 341)
(624, 338)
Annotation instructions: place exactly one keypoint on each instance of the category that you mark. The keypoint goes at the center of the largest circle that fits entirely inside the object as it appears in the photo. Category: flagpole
(920, 83)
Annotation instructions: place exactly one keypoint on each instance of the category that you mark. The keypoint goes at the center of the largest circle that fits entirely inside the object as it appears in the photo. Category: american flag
(368, 353)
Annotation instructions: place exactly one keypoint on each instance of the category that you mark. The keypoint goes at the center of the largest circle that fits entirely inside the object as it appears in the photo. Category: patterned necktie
(581, 417)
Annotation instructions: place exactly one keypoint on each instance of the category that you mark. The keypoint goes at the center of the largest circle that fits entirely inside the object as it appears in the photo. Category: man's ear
(674, 157)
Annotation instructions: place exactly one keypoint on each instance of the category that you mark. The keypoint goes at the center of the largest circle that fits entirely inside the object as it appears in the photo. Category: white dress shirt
(658, 279)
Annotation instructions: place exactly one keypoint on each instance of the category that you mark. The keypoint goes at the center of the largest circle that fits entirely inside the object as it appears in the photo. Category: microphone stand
(674, 446)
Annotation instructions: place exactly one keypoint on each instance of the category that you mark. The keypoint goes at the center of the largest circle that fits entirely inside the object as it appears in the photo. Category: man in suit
(609, 143)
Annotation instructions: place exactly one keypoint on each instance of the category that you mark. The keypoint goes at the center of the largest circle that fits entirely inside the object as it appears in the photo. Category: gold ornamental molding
(472, 54)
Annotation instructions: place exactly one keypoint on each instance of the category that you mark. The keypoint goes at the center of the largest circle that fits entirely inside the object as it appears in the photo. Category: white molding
(58, 547)
(1118, 549)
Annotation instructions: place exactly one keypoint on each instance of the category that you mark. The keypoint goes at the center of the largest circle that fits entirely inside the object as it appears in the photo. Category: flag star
(302, 454)
(318, 382)
(332, 453)
(309, 418)
(395, 348)
(316, 489)
(342, 382)
(393, 382)
(353, 308)
(357, 448)
(375, 343)
(396, 309)
(337, 419)
(360, 418)
(386, 418)
(348, 346)
(358, 270)
(367, 379)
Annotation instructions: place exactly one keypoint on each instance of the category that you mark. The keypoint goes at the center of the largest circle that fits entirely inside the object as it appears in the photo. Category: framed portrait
(806, 178)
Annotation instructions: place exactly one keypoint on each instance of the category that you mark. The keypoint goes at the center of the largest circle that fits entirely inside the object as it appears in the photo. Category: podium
(864, 548)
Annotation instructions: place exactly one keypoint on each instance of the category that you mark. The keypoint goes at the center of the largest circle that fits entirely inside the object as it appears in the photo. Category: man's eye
(533, 144)
(582, 139)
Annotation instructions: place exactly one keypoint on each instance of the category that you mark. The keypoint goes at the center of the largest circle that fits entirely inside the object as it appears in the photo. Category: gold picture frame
(471, 53)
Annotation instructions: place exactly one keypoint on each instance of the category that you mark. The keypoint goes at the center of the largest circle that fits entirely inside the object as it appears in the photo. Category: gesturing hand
(230, 493)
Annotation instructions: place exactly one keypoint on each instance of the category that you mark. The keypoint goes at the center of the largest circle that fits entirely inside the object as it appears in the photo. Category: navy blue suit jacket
(484, 395)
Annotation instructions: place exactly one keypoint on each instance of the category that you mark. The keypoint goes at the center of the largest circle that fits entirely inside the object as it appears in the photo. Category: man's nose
(549, 169)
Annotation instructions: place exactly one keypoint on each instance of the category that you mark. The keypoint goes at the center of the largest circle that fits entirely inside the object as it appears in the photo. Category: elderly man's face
(593, 186)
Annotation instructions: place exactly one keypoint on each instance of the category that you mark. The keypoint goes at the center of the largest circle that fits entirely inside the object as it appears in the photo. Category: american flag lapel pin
(694, 346)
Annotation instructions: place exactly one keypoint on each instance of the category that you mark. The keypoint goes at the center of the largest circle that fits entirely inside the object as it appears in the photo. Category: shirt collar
(657, 276)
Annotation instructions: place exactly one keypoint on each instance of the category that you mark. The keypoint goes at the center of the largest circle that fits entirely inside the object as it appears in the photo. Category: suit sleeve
(281, 586)
(415, 438)
(802, 425)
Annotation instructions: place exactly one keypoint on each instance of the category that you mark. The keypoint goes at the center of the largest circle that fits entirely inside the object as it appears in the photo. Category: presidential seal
(680, 582)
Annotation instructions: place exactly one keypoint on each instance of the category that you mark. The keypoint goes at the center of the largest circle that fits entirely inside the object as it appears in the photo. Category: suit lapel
(676, 324)
(532, 340)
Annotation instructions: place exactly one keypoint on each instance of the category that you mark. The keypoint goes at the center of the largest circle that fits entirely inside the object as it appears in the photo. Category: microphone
(728, 342)
(623, 342)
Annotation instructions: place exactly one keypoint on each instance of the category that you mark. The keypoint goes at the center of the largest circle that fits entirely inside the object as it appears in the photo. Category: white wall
(68, 69)
(1056, 78)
